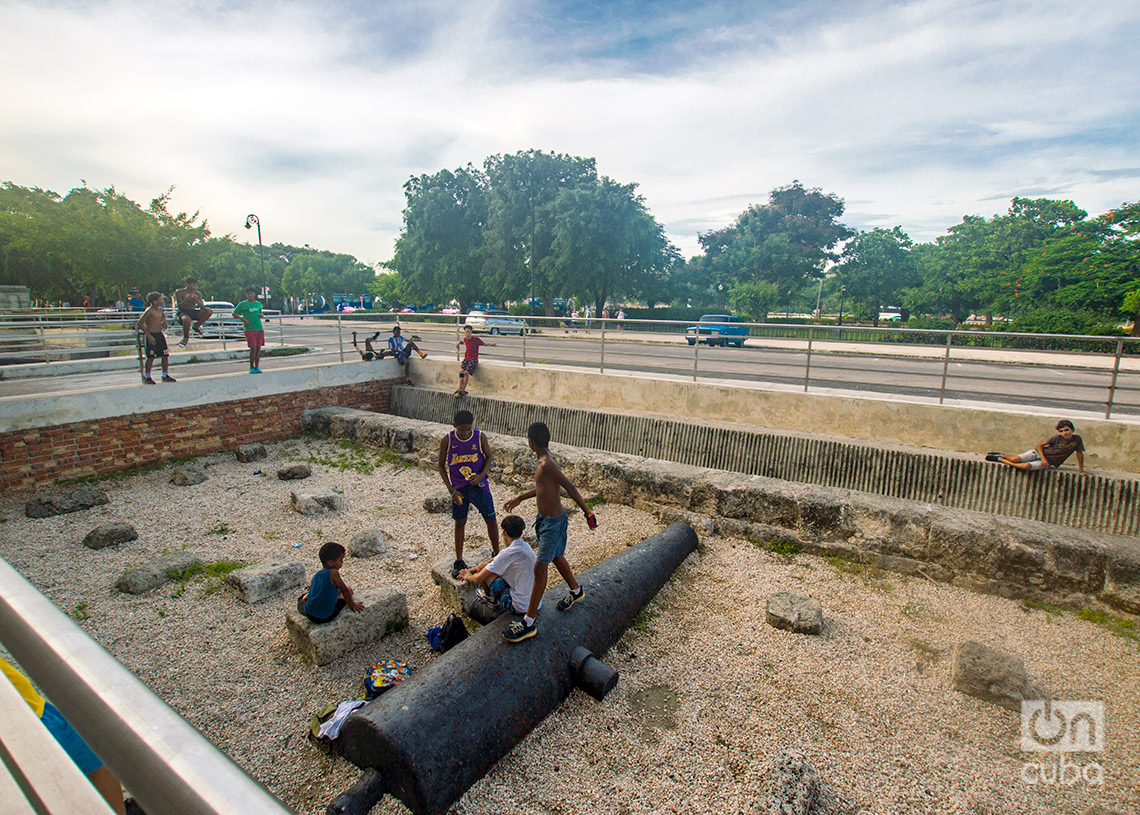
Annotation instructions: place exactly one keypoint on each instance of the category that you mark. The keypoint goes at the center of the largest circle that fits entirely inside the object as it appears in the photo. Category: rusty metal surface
(434, 736)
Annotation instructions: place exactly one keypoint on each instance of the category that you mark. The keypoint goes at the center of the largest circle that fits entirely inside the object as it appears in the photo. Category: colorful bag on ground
(384, 675)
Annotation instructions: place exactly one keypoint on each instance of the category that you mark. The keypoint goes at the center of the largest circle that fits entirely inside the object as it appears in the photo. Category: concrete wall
(1007, 556)
(1111, 445)
(916, 474)
(46, 439)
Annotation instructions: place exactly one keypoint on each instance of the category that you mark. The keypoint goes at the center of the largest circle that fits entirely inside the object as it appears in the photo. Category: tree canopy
(98, 244)
(529, 222)
(786, 242)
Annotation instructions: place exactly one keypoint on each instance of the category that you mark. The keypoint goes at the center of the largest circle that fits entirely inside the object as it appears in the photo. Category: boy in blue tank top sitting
(464, 461)
(328, 593)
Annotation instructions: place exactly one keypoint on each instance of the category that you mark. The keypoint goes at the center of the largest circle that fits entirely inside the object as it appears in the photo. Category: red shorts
(255, 339)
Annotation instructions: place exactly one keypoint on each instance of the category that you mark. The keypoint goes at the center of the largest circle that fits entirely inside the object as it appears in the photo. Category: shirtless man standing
(550, 527)
(191, 309)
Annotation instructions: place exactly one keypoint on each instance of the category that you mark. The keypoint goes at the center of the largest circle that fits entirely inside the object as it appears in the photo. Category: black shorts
(468, 366)
(367, 356)
(340, 604)
(156, 346)
(194, 314)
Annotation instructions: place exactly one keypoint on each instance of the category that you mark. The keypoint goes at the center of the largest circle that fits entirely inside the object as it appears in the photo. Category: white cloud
(917, 113)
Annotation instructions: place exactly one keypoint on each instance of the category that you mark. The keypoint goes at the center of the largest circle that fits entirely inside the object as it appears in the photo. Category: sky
(313, 115)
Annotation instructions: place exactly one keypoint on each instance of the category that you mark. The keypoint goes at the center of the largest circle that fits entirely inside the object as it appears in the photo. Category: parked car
(717, 329)
(495, 321)
(222, 322)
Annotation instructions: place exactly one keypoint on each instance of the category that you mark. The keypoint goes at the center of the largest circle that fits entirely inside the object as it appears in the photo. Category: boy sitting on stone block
(328, 593)
(507, 579)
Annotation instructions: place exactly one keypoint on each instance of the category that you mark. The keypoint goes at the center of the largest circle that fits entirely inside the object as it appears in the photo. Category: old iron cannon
(430, 738)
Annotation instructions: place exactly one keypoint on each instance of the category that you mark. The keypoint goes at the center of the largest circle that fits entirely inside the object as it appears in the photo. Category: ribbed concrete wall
(1053, 496)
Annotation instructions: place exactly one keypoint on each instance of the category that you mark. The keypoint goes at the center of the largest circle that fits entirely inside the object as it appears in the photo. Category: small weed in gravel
(213, 572)
(786, 549)
(80, 612)
(1120, 626)
(645, 618)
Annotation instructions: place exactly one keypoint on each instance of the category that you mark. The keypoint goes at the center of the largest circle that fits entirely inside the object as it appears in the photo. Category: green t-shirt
(252, 313)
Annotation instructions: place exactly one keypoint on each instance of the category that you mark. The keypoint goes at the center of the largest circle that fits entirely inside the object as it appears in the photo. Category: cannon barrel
(434, 735)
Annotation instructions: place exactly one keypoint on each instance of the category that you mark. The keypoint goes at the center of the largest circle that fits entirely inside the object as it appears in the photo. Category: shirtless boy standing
(550, 528)
(152, 323)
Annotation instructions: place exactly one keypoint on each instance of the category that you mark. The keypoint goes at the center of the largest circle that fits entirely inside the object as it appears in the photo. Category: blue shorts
(476, 496)
(502, 594)
(551, 533)
(72, 744)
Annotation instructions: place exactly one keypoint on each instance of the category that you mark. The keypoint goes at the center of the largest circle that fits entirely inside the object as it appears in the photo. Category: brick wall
(30, 458)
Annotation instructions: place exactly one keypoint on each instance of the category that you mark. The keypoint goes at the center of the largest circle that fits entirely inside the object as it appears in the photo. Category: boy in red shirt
(470, 357)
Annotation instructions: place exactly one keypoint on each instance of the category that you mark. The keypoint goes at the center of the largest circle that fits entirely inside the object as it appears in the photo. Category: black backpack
(451, 633)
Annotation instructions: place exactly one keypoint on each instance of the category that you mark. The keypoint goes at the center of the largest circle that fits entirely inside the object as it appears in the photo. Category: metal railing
(1051, 371)
(1091, 373)
(166, 764)
(32, 336)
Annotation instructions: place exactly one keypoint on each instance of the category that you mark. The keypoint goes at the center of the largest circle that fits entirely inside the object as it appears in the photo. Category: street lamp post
(842, 291)
(251, 220)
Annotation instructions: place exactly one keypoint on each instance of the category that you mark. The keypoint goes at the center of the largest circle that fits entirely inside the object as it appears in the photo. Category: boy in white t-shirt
(507, 579)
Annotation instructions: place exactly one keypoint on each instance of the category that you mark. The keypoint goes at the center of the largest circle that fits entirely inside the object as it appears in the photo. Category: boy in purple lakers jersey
(464, 461)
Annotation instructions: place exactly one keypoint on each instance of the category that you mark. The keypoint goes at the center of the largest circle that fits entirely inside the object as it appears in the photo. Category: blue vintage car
(717, 329)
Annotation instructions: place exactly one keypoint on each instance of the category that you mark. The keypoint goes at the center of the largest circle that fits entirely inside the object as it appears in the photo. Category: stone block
(990, 675)
(294, 470)
(110, 534)
(793, 786)
(148, 576)
(266, 579)
(46, 506)
(1122, 579)
(385, 610)
(369, 543)
(186, 475)
(438, 503)
(793, 612)
(308, 503)
(458, 595)
(251, 452)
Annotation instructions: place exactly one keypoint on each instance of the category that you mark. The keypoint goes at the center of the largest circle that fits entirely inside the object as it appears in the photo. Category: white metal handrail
(167, 765)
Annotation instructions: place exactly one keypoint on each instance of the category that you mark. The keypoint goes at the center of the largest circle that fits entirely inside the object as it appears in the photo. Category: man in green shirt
(249, 312)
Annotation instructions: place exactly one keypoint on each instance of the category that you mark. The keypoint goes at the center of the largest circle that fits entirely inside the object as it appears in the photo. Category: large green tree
(606, 243)
(94, 243)
(976, 266)
(523, 192)
(876, 267)
(440, 253)
(785, 242)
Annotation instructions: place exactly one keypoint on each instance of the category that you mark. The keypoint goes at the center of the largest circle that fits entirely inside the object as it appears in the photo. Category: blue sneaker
(255, 370)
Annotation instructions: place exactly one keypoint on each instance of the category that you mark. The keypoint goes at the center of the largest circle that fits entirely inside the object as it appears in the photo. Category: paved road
(1061, 382)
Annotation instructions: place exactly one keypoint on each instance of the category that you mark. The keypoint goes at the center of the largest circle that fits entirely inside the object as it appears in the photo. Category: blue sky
(313, 115)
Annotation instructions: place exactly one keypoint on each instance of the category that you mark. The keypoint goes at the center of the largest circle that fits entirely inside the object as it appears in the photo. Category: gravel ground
(709, 693)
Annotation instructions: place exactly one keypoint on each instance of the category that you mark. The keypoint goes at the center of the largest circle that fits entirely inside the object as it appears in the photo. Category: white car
(495, 321)
(222, 322)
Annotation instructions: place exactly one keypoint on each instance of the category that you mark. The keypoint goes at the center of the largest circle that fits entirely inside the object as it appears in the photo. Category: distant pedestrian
(249, 312)
(152, 323)
(621, 319)
(470, 362)
(1049, 453)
